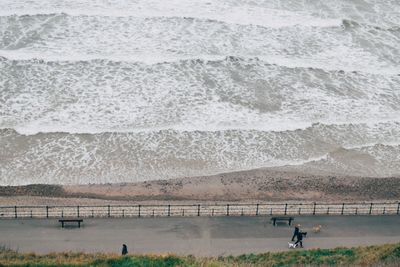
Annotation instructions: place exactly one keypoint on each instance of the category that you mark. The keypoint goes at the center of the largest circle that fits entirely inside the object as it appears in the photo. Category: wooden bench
(63, 221)
(282, 219)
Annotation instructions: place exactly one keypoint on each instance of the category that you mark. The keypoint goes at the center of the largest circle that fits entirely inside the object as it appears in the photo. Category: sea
(118, 91)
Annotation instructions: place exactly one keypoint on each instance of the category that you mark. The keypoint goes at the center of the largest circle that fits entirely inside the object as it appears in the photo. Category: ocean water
(123, 91)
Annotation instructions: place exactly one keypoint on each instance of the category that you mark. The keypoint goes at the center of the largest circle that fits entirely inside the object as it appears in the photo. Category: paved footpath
(206, 236)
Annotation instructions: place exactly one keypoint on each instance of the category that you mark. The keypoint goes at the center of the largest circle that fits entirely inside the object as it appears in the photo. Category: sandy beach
(246, 186)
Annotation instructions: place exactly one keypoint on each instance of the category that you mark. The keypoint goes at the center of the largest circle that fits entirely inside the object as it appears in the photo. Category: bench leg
(62, 224)
(274, 222)
(79, 224)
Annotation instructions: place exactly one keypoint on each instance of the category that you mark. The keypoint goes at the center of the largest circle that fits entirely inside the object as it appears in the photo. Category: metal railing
(169, 210)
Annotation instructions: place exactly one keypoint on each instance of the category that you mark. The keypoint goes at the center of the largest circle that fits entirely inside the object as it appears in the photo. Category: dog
(317, 228)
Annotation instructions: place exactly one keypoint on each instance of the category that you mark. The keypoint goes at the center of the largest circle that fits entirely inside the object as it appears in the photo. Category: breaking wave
(124, 91)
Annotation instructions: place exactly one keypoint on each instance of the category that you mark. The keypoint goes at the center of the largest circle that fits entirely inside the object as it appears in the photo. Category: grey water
(126, 91)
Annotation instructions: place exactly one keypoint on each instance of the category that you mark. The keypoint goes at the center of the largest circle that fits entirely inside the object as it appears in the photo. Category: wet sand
(250, 186)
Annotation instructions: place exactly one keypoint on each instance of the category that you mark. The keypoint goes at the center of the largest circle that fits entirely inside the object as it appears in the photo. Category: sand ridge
(251, 186)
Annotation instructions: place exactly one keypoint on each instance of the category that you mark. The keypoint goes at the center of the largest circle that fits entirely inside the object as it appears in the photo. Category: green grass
(384, 255)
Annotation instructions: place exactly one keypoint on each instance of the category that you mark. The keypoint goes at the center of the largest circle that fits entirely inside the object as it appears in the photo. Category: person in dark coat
(124, 249)
(300, 236)
(296, 231)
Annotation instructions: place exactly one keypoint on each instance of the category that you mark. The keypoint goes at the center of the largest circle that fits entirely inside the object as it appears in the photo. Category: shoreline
(258, 185)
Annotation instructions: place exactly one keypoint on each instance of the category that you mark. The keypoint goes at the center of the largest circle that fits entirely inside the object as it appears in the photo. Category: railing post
(342, 209)
(109, 211)
(227, 209)
(315, 204)
(139, 207)
(123, 213)
(198, 210)
(370, 208)
(47, 212)
(259, 205)
(384, 210)
(15, 212)
(398, 208)
(356, 210)
(285, 208)
(77, 210)
(169, 210)
(327, 211)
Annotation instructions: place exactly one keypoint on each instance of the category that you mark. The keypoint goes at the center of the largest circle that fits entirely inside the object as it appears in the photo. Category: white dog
(292, 245)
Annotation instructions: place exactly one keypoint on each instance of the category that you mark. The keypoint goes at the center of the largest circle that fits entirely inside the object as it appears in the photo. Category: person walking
(124, 249)
(296, 231)
(300, 236)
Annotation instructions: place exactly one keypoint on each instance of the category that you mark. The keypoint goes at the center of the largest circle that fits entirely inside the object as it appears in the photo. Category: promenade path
(205, 236)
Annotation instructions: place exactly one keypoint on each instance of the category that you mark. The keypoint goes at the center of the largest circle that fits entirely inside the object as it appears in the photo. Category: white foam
(35, 127)
(333, 63)
(224, 12)
(96, 97)
(149, 59)
(373, 144)
(152, 59)
(69, 158)
(151, 87)
(64, 38)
